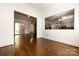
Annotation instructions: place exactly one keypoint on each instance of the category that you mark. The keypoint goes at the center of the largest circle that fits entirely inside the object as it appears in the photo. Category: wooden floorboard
(7, 50)
(28, 45)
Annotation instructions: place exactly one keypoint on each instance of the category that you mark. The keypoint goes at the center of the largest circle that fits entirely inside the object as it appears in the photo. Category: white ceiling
(42, 7)
(45, 7)
(38, 6)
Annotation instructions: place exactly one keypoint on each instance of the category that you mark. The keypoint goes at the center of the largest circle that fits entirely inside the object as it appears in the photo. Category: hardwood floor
(43, 47)
(7, 50)
(54, 48)
(27, 45)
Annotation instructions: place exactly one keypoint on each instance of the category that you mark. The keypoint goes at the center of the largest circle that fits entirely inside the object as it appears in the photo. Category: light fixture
(67, 17)
(60, 19)
(28, 16)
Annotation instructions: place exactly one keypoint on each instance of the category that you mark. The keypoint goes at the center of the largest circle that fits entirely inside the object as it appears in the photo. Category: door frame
(26, 15)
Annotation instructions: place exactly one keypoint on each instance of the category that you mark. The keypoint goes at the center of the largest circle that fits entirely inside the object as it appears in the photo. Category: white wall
(65, 36)
(7, 21)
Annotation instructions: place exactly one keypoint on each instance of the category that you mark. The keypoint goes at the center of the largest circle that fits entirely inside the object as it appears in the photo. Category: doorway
(25, 29)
